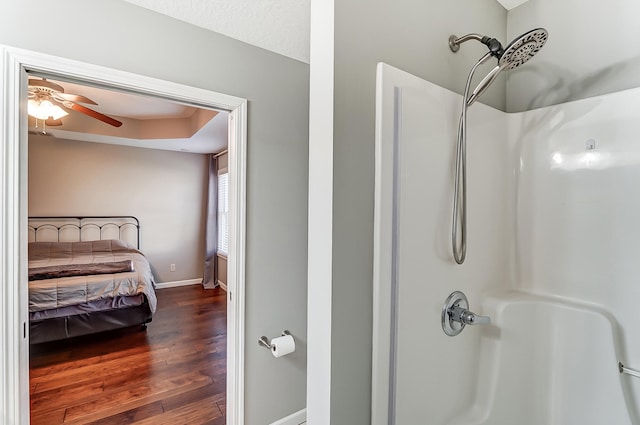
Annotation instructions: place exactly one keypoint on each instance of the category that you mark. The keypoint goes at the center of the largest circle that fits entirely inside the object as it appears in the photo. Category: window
(223, 213)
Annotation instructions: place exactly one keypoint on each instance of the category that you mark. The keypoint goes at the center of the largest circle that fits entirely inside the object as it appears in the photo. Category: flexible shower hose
(459, 219)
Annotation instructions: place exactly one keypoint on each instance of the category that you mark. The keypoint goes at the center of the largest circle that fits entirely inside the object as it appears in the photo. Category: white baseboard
(223, 285)
(297, 418)
(177, 283)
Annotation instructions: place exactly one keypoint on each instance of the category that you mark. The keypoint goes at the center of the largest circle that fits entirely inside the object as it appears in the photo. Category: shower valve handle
(456, 314)
(467, 317)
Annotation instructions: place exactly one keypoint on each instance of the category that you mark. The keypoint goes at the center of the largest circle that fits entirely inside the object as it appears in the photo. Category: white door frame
(14, 337)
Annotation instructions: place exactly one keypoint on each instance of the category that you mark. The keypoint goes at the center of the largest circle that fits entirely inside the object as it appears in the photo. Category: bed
(87, 275)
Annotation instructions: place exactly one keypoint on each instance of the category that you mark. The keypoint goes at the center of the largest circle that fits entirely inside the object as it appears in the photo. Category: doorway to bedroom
(194, 331)
(166, 165)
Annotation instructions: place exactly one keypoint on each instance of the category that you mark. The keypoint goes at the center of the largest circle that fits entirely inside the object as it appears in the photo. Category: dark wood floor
(174, 373)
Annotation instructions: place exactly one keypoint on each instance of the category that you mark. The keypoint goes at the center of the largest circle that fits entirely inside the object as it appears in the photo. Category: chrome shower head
(518, 52)
(523, 48)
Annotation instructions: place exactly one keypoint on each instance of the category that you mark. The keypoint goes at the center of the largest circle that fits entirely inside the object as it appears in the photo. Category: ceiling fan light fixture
(44, 109)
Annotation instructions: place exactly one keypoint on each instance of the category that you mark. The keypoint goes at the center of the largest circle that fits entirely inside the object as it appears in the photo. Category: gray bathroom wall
(592, 50)
(122, 36)
(412, 36)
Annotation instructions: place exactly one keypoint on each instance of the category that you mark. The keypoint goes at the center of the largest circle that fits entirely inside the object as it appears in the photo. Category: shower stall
(551, 265)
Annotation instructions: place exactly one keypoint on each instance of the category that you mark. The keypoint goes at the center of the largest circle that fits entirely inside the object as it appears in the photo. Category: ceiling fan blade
(45, 85)
(94, 114)
(74, 98)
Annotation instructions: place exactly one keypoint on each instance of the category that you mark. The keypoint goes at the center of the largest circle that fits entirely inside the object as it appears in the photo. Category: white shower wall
(578, 209)
(435, 374)
(553, 228)
(591, 51)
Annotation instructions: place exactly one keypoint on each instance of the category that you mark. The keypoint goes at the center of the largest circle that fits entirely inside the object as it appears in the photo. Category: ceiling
(281, 26)
(148, 122)
(510, 4)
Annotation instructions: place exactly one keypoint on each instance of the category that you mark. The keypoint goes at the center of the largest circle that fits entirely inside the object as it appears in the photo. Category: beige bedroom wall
(163, 189)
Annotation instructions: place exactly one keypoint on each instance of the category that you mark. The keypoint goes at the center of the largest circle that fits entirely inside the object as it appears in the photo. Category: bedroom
(167, 191)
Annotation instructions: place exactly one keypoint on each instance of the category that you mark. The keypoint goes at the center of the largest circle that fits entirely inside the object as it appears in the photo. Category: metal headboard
(84, 228)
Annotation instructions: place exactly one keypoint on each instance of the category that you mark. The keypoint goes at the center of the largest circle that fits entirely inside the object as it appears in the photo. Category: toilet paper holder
(264, 341)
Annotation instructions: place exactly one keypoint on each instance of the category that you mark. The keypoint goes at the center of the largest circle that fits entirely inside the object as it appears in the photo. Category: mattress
(104, 304)
(66, 295)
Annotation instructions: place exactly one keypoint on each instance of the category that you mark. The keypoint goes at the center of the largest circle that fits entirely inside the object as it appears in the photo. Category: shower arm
(454, 42)
(494, 45)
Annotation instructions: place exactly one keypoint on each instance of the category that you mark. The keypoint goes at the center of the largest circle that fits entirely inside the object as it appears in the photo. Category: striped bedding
(63, 292)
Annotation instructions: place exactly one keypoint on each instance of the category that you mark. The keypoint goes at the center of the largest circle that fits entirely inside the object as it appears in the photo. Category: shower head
(518, 52)
(523, 48)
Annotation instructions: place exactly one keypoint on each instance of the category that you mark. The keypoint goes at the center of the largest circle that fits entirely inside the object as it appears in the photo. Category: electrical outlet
(172, 267)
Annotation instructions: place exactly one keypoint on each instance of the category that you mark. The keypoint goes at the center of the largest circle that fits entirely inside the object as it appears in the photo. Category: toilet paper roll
(282, 346)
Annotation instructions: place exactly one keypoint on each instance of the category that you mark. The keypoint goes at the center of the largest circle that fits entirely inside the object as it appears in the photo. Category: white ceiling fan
(49, 102)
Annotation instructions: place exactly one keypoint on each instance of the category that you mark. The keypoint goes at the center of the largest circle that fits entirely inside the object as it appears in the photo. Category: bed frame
(87, 228)
(78, 229)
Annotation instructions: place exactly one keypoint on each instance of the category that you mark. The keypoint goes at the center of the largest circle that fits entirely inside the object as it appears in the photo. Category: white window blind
(223, 213)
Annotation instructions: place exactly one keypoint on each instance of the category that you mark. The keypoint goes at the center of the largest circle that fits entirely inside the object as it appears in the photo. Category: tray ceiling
(148, 122)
